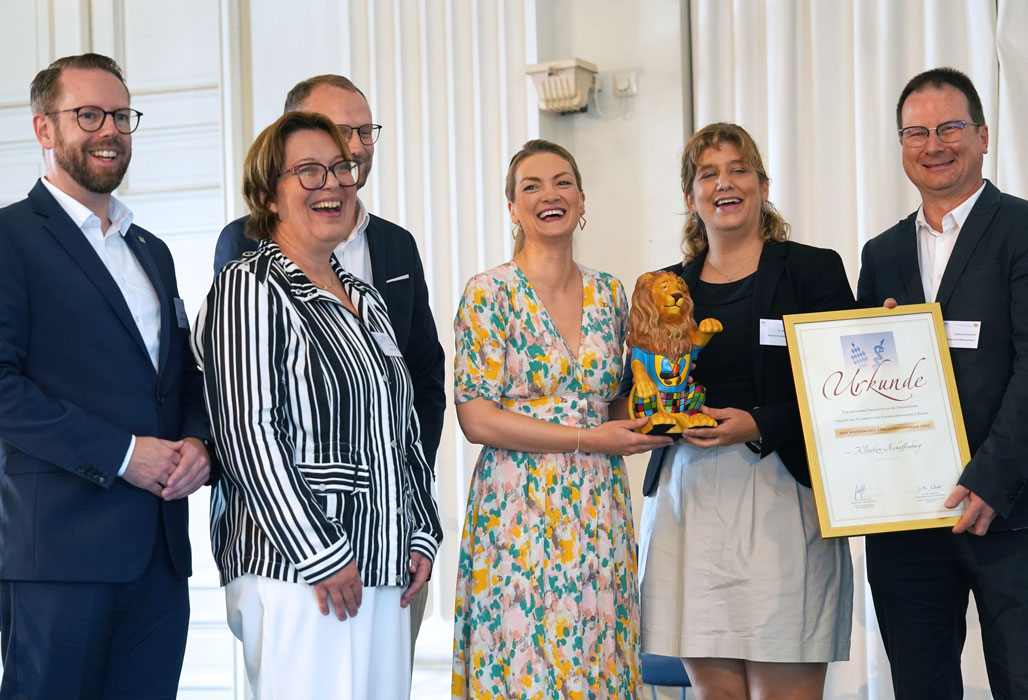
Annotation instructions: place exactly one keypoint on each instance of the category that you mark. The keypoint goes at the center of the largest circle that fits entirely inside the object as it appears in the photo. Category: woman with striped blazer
(326, 504)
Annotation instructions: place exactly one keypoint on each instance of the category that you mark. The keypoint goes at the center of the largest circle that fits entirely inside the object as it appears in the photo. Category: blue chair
(668, 671)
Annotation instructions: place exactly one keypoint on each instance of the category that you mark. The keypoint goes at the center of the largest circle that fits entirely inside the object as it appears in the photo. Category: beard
(75, 162)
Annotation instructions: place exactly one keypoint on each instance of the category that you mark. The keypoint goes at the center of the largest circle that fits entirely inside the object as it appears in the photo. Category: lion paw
(710, 325)
(697, 420)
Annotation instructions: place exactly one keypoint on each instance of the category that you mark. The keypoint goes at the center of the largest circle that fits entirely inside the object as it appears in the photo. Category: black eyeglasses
(92, 118)
(313, 176)
(948, 132)
(368, 133)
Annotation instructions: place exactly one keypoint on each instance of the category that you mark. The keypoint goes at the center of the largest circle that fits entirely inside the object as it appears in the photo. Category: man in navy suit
(101, 415)
(379, 252)
(966, 247)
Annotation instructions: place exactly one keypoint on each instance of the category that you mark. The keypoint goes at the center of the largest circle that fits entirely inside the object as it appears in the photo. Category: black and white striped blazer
(313, 423)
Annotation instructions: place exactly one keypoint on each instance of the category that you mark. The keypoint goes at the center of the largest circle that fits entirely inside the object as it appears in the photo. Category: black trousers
(920, 582)
(103, 641)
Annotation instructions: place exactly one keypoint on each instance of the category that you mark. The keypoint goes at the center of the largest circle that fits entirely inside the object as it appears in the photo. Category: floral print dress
(547, 598)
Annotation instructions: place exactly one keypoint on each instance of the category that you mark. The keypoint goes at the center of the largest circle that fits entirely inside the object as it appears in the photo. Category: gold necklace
(740, 269)
(324, 287)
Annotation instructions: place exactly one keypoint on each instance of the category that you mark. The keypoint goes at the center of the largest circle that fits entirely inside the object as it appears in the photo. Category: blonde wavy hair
(651, 331)
(694, 235)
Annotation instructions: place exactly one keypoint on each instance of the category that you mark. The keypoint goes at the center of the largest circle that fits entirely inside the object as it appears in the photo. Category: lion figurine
(665, 340)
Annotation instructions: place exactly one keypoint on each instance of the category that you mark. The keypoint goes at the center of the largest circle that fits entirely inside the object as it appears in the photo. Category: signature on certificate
(859, 491)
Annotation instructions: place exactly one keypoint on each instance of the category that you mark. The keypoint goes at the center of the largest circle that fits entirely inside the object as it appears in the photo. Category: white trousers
(293, 652)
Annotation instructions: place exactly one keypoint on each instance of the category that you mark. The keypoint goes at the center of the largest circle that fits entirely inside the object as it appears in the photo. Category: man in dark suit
(101, 415)
(380, 253)
(966, 247)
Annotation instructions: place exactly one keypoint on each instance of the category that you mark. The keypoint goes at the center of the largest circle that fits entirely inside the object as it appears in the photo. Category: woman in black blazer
(736, 579)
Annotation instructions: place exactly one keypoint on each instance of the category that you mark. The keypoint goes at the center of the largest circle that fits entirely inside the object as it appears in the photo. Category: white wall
(630, 160)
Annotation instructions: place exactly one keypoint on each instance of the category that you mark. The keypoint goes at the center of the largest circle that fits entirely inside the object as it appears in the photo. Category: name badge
(386, 344)
(180, 314)
(963, 334)
(772, 332)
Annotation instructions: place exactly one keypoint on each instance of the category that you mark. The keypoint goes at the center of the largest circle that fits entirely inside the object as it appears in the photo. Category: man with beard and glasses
(102, 425)
(380, 253)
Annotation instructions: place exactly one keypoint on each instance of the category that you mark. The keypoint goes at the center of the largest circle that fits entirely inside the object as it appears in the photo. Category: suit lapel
(970, 234)
(379, 258)
(770, 269)
(137, 244)
(906, 259)
(59, 225)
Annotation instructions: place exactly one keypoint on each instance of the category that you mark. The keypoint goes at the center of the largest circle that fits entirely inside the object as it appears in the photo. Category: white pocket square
(397, 279)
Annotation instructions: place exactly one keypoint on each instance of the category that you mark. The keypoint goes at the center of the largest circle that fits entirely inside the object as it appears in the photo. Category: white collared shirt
(934, 248)
(125, 268)
(353, 254)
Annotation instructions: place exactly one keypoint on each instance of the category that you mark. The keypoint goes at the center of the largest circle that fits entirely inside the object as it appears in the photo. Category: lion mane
(648, 330)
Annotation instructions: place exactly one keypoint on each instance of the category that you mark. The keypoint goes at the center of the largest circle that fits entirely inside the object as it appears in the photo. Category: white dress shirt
(125, 268)
(934, 247)
(353, 254)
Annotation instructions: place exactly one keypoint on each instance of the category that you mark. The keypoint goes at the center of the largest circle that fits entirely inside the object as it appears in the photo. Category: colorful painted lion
(665, 340)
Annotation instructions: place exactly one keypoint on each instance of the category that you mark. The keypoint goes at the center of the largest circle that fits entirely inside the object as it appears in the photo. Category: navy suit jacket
(985, 280)
(76, 382)
(400, 279)
(792, 278)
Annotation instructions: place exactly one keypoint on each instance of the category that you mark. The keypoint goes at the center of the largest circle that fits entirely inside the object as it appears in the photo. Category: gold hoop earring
(516, 231)
(582, 222)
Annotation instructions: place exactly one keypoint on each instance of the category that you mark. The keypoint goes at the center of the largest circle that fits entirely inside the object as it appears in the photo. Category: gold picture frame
(881, 418)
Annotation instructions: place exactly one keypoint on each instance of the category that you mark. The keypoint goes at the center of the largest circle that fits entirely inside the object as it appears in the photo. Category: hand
(152, 462)
(420, 568)
(618, 437)
(734, 426)
(890, 303)
(192, 472)
(344, 588)
(978, 516)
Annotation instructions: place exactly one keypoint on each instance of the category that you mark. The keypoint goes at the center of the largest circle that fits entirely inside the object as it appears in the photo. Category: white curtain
(816, 84)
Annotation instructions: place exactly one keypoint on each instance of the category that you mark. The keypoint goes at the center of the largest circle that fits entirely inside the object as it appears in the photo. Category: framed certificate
(881, 419)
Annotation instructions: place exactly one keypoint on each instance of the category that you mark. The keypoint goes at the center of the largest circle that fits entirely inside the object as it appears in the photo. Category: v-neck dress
(547, 596)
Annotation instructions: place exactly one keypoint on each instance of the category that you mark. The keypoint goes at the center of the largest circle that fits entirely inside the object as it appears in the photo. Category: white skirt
(732, 564)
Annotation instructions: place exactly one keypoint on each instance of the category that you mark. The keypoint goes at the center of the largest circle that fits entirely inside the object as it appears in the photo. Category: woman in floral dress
(547, 597)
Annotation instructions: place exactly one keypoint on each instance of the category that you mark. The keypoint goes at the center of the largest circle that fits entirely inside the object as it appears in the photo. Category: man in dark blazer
(101, 415)
(966, 248)
(379, 252)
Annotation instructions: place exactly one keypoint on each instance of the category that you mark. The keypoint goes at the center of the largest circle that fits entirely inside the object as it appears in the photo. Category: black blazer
(985, 280)
(76, 382)
(791, 278)
(400, 279)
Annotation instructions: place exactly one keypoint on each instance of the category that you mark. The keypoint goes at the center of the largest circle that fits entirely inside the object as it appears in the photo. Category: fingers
(351, 598)
(340, 603)
(890, 303)
(416, 585)
(957, 496)
(322, 595)
(420, 568)
(189, 476)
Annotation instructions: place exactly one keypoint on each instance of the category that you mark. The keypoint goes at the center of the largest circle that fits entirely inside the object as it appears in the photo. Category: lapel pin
(141, 239)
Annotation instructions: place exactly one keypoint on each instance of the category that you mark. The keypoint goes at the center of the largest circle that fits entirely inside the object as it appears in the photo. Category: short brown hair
(531, 148)
(46, 88)
(694, 235)
(265, 161)
(303, 89)
(939, 78)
